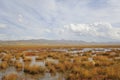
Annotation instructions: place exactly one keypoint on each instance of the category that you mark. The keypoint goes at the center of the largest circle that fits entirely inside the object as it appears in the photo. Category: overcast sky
(87, 20)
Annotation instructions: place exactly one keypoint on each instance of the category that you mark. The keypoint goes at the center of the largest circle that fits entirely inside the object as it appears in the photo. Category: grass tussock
(11, 76)
(35, 69)
(4, 65)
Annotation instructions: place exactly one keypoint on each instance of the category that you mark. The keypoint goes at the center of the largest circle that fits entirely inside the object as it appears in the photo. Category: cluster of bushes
(34, 69)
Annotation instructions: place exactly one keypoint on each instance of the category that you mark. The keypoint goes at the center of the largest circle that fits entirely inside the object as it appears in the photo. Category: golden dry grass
(73, 67)
(11, 76)
(4, 65)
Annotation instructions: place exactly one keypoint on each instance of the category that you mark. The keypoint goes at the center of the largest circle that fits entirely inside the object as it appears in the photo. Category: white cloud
(96, 30)
(4, 37)
(3, 25)
(20, 17)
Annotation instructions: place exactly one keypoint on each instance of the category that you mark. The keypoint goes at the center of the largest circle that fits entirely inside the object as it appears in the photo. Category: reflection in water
(8, 71)
(56, 61)
(34, 62)
(22, 62)
(48, 76)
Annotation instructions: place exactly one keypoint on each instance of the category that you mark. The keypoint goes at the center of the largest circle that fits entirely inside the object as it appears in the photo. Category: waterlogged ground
(59, 63)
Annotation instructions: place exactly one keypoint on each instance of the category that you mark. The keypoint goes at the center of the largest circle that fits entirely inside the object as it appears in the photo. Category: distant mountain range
(51, 42)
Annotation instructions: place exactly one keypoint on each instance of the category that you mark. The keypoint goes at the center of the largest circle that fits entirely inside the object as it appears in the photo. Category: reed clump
(11, 76)
(4, 65)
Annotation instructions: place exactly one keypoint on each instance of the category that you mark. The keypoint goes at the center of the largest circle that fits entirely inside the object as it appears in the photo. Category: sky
(86, 20)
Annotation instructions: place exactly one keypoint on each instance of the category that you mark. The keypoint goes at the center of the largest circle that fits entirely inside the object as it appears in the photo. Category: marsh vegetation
(59, 63)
